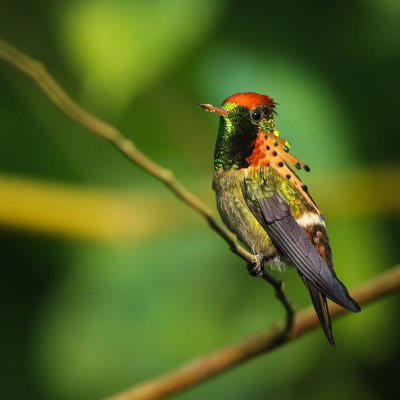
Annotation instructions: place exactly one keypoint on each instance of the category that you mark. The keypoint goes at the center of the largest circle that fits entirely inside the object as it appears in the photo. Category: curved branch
(47, 83)
(214, 364)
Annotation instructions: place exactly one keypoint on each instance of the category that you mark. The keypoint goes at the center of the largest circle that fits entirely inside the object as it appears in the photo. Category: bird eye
(256, 115)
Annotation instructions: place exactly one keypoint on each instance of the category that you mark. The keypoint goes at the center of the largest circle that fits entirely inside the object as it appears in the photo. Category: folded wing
(275, 217)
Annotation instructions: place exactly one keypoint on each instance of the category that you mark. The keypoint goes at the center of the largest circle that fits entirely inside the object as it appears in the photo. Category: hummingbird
(264, 202)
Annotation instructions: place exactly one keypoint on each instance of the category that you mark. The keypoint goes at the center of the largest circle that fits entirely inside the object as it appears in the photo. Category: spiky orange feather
(269, 152)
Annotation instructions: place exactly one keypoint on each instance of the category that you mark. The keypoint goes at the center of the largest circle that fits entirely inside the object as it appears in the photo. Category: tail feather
(321, 308)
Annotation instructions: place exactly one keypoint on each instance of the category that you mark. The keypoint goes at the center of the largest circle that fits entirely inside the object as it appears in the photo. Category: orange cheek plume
(272, 151)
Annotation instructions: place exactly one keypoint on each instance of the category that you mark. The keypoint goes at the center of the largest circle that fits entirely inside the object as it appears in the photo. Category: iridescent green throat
(236, 134)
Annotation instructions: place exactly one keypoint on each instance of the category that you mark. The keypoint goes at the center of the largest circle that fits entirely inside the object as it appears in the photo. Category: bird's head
(247, 137)
(242, 117)
(245, 111)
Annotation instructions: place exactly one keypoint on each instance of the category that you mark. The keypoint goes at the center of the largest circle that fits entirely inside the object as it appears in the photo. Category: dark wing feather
(292, 240)
(321, 308)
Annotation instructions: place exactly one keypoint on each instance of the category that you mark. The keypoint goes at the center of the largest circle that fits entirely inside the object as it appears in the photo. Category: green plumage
(237, 194)
(262, 200)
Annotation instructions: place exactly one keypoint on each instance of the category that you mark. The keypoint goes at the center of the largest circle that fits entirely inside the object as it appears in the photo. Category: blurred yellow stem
(79, 212)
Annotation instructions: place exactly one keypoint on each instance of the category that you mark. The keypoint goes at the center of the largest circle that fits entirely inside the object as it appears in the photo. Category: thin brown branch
(216, 363)
(47, 83)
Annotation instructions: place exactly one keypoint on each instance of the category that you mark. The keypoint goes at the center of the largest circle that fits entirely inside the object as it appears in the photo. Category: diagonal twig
(211, 365)
(48, 84)
(38, 72)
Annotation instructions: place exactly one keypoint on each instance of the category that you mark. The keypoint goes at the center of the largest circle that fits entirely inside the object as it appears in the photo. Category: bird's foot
(256, 269)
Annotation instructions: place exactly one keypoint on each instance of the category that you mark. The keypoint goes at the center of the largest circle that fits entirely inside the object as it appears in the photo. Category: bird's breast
(236, 214)
(234, 210)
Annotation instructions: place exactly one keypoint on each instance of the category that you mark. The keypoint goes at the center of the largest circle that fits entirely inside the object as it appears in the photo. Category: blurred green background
(108, 280)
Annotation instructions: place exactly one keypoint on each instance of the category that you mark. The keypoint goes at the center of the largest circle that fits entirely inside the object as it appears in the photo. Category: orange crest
(250, 99)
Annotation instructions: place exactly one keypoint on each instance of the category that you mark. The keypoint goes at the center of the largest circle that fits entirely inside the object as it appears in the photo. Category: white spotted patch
(310, 219)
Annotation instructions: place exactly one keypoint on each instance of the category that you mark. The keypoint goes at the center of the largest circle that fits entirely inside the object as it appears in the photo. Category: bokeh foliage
(88, 311)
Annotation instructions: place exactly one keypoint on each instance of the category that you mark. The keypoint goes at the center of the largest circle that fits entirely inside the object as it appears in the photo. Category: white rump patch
(310, 219)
